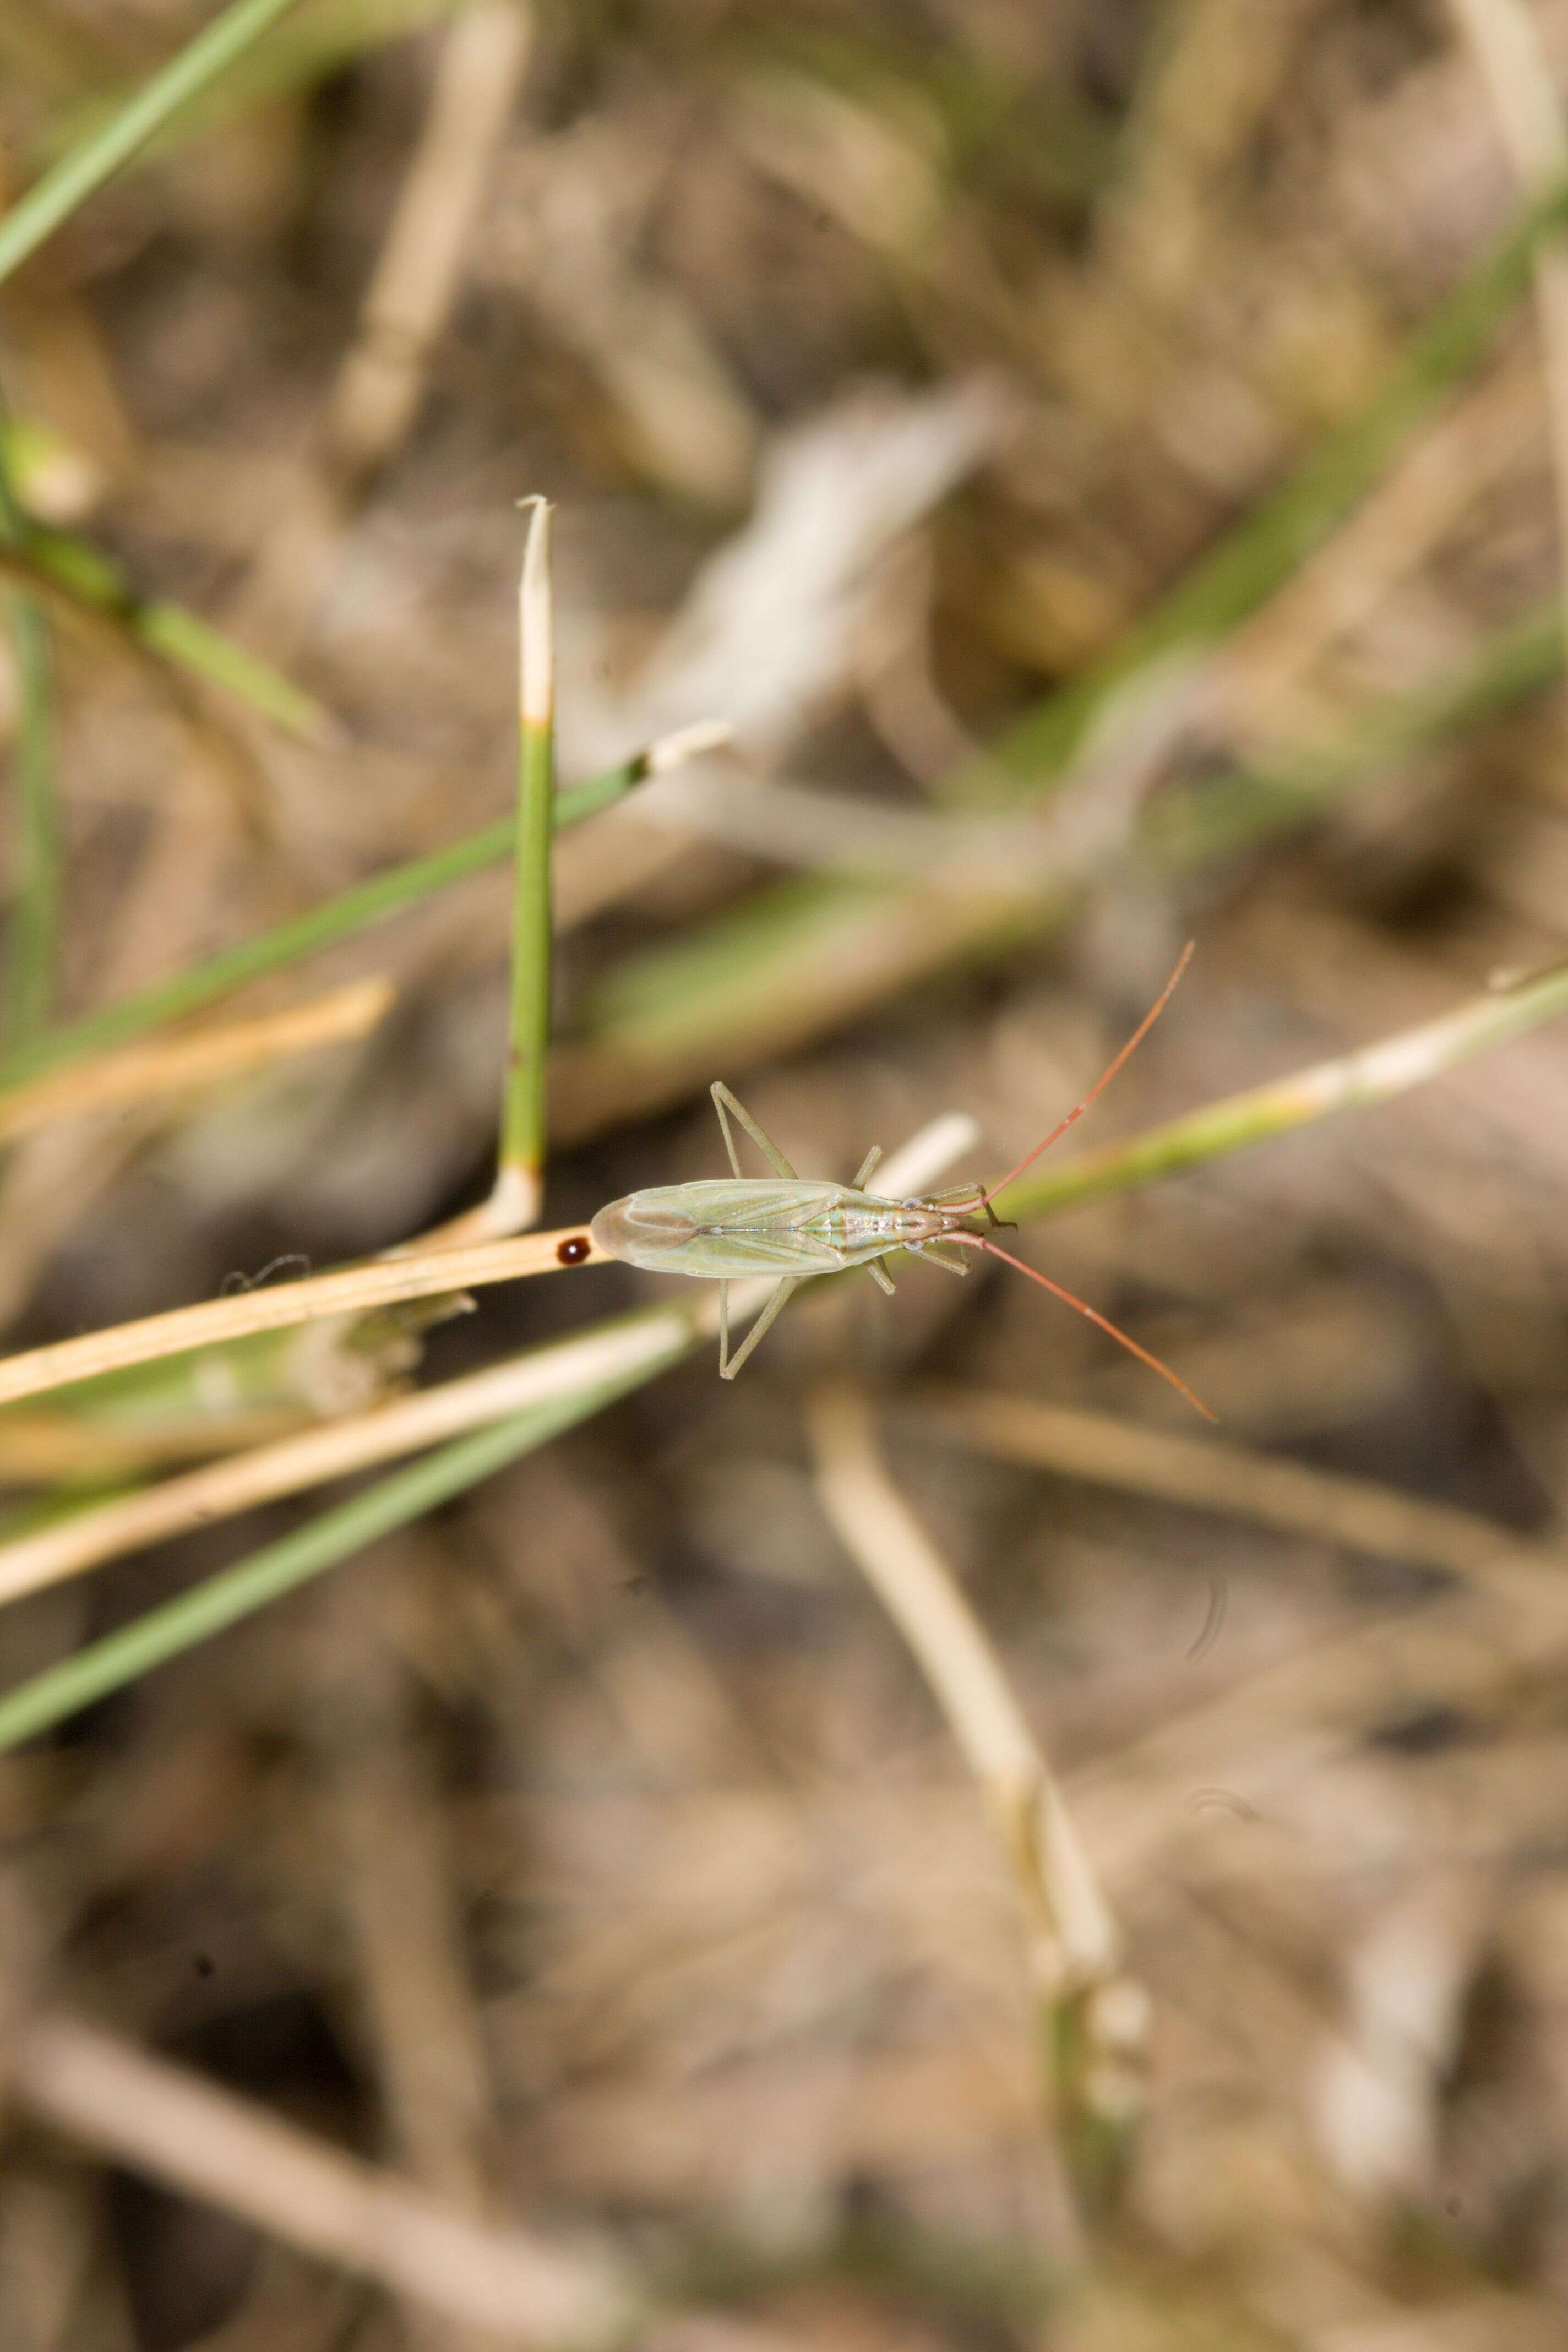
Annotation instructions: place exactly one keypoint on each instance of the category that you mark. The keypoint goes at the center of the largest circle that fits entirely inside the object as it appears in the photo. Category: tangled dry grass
(576, 1913)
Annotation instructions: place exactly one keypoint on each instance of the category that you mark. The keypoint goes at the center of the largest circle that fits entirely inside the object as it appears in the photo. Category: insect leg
(723, 1331)
(786, 1291)
(878, 1272)
(863, 1177)
(932, 1256)
(723, 1103)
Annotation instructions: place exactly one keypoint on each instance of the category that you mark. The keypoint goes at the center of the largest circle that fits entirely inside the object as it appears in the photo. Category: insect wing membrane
(724, 1228)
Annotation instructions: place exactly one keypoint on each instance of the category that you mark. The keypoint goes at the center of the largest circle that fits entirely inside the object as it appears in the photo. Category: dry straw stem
(649, 1343)
(1501, 1635)
(415, 280)
(1230, 1480)
(613, 1351)
(1078, 1942)
(352, 1291)
(1257, 1116)
(1350, 1081)
(1093, 2016)
(412, 290)
(203, 1059)
(1519, 81)
(162, 2120)
(627, 1349)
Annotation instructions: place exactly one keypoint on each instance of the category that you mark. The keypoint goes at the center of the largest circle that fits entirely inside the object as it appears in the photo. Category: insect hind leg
(724, 1102)
(932, 1254)
(730, 1365)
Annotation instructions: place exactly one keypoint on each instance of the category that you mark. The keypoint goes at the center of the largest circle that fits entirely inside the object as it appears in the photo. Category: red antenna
(984, 1199)
(980, 1242)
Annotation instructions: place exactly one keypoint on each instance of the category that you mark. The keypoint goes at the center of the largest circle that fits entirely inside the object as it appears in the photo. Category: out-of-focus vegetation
(924, 1847)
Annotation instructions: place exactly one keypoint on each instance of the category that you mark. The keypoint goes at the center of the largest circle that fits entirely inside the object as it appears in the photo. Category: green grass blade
(323, 39)
(1249, 804)
(334, 920)
(162, 1633)
(519, 1172)
(82, 574)
(718, 990)
(1349, 1081)
(34, 915)
(35, 920)
(1260, 553)
(104, 151)
(730, 986)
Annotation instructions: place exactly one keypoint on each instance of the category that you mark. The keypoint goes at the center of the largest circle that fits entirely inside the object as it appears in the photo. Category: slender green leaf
(335, 920)
(162, 1633)
(522, 1121)
(34, 915)
(104, 151)
(81, 574)
(35, 920)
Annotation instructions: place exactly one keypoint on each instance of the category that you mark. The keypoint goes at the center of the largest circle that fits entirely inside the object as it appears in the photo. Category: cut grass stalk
(100, 153)
(352, 1290)
(340, 918)
(520, 1168)
(86, 580)
(1349, 1081)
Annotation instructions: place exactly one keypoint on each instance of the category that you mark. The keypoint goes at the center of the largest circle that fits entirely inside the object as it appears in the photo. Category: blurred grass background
(1097, 458)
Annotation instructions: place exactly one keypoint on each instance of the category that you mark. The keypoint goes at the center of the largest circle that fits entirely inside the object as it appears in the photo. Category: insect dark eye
(573, 1249)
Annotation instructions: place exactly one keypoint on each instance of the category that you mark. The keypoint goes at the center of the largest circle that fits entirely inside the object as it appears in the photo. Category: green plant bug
(732, 1228)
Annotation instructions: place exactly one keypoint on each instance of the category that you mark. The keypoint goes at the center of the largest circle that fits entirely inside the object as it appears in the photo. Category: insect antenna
(983, 1242)
(984, 1199)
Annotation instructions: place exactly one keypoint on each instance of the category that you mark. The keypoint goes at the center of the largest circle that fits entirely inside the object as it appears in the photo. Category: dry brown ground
(593, 1854)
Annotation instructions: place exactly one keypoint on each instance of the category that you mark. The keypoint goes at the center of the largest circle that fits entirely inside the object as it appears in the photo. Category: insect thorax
(863, 1226)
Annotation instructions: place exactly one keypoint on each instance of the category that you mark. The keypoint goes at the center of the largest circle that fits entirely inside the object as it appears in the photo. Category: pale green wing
(753, 1205)
(731, 1258)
